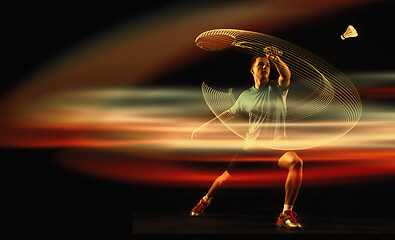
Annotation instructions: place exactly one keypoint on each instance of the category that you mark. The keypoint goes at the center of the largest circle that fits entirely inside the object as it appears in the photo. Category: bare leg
(205, 201)
(217, 184)
(220, 180)
(294, 164)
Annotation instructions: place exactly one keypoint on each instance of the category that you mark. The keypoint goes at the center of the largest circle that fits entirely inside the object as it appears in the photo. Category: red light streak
(377, 92)
(150, 171)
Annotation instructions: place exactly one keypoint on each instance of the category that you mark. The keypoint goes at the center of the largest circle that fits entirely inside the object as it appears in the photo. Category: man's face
(261, 68)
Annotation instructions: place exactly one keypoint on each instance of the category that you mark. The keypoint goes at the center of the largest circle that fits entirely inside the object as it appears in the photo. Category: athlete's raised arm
(272, 53)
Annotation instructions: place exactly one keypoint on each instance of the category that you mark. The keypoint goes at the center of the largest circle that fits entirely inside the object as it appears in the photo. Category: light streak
(92, 103)
(156, 148)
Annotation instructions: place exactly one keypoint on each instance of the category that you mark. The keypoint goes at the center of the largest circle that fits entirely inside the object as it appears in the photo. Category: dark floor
(356, 209)
(256, 224)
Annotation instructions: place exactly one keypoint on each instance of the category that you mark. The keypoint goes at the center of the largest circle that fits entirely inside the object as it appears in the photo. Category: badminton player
(265, 106)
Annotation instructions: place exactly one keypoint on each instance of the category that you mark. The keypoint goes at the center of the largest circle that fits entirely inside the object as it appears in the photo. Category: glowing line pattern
(331, 93)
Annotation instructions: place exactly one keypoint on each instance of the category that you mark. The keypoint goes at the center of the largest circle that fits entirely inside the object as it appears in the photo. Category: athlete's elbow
(287, 76)
(284, 82)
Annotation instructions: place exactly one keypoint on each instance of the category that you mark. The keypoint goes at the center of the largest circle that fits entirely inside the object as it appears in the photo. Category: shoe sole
(194, 214)
(281, 225)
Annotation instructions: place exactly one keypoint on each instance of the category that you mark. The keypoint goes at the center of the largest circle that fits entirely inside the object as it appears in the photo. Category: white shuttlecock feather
(350, 32)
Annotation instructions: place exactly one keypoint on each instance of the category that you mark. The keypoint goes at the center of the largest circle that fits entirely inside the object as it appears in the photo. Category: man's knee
(291, 160)
(296, 161)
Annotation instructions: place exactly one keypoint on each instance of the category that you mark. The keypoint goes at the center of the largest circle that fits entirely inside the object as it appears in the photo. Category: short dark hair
(253, 60)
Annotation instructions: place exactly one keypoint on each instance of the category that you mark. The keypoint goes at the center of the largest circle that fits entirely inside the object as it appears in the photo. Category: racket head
(215, 42)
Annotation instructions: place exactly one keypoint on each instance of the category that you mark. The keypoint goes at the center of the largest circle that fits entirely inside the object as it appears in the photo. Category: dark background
(45, 199)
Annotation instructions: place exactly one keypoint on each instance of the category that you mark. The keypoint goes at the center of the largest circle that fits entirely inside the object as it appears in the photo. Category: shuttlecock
(350, 32)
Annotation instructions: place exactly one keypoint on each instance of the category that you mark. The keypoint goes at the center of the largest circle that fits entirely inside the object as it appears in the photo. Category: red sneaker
(288, 220)
(199, 208)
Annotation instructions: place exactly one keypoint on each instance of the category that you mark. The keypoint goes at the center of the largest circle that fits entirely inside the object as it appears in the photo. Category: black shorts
(244, 161)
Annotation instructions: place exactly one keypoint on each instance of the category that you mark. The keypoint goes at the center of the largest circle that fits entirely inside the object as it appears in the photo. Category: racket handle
(280, 53)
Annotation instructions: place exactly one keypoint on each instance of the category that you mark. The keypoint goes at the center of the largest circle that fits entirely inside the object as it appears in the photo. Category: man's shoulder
(249, 90)
(275, 85)
(246, 93)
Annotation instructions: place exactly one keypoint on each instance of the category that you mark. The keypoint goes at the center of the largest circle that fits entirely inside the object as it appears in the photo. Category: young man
(265, 105)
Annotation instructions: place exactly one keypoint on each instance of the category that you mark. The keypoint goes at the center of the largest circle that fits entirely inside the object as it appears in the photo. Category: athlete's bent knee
(297, 162)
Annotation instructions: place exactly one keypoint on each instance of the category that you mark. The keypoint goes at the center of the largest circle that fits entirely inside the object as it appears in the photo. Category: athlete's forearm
(283, 70)
(272, 53)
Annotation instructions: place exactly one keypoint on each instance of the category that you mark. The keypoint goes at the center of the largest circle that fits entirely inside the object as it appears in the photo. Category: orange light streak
(57, 107)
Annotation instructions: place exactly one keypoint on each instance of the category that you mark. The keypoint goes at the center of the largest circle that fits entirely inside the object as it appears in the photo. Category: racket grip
(280, 53)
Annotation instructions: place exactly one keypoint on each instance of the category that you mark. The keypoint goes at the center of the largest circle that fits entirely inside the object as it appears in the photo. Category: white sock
(287, 207)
